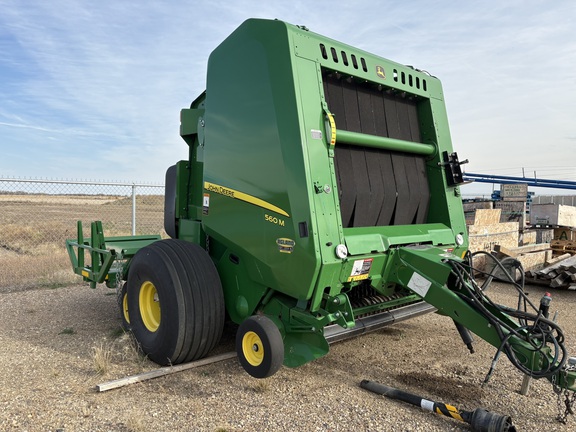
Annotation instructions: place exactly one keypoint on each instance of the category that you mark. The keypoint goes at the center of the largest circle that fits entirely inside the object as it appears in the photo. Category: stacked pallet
(487, 231)
(513, 203)
(532, 257)
(489, 234)
(471, 206)
(563, 246)
(553, 215)
(560, 273)
(562, 219)
(564, 240)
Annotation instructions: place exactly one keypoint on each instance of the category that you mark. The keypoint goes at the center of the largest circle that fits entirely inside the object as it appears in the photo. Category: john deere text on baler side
(320, 198)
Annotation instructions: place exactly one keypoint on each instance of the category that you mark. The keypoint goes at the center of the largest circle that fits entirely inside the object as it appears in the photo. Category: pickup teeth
(375, 300)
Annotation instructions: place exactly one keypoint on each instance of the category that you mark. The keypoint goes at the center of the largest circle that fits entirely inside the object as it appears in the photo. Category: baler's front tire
(175, 301)
(259, 346)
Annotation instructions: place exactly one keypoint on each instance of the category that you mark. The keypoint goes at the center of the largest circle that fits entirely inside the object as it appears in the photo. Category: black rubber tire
(188, 320)
(259, 346)
(122, 298)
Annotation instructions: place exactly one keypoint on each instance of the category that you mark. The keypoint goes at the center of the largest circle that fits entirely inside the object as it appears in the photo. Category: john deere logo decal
(380, 72)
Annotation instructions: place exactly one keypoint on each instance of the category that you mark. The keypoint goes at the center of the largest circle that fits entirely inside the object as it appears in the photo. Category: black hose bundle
(541, 333)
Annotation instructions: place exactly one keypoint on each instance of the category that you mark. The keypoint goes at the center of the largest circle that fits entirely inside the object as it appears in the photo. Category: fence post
(133, 209)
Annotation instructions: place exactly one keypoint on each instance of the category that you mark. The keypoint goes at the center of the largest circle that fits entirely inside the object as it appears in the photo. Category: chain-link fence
(37, 216)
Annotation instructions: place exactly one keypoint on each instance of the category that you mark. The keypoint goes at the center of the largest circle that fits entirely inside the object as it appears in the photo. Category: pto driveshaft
(480, 419)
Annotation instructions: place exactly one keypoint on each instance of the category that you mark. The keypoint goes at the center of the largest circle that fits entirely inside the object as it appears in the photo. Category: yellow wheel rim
(252, 348)
(149, 306)
(125, 308)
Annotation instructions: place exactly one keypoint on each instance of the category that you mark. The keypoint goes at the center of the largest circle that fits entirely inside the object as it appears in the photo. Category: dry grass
(127, 350)
(136, 422)
(102, 358)
(50, 270)
(260, 386)
(119, 347)
(57, 199)
(34, 228)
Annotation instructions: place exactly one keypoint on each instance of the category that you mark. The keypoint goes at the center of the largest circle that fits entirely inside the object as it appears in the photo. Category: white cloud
(107, 79)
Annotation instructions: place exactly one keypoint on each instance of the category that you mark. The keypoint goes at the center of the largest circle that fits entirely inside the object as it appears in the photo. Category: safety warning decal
(205, 204)
(360, 270)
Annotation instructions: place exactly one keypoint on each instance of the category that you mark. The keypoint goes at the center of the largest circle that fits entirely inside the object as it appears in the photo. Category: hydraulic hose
(535, 328)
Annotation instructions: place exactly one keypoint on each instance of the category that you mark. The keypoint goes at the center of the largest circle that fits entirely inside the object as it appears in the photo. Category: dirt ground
(53, 339)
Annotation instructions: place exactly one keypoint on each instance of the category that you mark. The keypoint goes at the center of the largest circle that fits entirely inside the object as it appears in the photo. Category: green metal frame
(431, 267)
(109, 257)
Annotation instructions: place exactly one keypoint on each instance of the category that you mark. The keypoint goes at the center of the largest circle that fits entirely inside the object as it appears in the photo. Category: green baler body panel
(255, 145)
(299, 147)
(269, 194)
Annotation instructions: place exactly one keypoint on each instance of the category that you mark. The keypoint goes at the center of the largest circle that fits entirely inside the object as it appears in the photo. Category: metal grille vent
(343, 56)
(409, 79)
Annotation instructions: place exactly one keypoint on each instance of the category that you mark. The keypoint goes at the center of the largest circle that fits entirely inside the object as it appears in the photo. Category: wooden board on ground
(521, 250)
(162, 372)
(557, 259)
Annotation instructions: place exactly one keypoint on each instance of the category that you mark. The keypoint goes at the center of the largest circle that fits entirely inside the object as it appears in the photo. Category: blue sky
(93, 90)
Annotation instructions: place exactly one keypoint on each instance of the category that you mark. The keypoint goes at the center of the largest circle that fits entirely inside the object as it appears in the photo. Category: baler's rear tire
(259, 346)
(175, 301)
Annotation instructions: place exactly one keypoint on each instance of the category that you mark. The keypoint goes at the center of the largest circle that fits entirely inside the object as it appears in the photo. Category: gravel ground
(51, 340)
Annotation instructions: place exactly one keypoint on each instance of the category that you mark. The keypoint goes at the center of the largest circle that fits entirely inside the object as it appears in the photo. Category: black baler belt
(351, 109)
(362, 187)
(413, 187)
(402, 214)
(390, 190)
(346, 184)
(422, 214)
(377, 189)
(381, 188)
